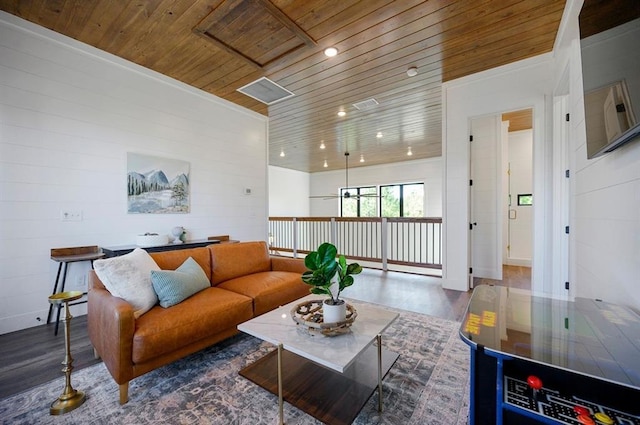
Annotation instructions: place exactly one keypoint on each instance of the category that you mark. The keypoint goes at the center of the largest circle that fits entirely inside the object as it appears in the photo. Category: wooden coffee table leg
(379, 341)
(280, 400)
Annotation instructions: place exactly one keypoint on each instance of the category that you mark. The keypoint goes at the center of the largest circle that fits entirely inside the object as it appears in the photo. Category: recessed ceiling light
(412, 72)
(282, 153)
(379, 135)
(409, 153)
(325, 164)
(361, 158)
(341, 113)
(322, 146)
(330, 52)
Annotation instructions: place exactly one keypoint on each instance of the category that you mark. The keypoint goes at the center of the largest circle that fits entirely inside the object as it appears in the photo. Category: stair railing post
(383, 242)
(334, 231)
(295, 237)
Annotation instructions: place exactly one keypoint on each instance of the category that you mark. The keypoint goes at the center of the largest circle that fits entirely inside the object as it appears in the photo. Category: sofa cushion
(129, 277)
(268, 289)
(164, 330)
(171, 260)
(174, 286)
(234, 260)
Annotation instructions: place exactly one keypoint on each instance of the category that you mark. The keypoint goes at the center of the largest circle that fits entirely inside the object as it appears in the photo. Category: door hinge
(470, 182)
(566, 118)
(566, 286)
(566, 229)
(470, 270)
(566, 173)
(471, 137)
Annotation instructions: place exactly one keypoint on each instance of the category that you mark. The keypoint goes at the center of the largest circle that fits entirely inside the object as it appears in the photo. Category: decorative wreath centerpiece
(309, 315)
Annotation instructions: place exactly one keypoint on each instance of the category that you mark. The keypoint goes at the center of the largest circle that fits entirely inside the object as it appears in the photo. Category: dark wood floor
(512, 277)
(34, 356)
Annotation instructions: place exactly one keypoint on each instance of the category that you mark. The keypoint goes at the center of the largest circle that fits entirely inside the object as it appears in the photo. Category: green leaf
(327, 253)
(320, 291)
(330, 270)
(312, 261)
(354, 268)
(347, 281)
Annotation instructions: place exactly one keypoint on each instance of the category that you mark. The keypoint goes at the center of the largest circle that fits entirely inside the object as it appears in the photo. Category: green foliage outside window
(402, 200)
(368, 205)
(359, 207)
(413, 200)
(390, 201)
(349, 207)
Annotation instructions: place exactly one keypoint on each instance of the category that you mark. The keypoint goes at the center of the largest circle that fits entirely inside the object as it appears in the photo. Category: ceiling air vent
(365, 104)
(266, 91)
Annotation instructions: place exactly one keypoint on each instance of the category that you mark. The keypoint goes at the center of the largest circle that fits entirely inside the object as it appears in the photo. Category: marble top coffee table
(330, 378)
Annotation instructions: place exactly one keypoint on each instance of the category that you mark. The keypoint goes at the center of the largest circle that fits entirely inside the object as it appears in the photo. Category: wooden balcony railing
(414, 242)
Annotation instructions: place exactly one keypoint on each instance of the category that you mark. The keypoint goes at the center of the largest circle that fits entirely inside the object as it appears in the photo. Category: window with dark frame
(396, 200)
(402, 200)
(525, 199)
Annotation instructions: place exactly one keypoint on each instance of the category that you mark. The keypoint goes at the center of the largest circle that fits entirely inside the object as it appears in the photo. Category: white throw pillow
(129, 277)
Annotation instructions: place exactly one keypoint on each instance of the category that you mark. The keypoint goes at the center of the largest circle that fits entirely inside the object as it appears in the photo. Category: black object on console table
(541, 360)
(114, 251)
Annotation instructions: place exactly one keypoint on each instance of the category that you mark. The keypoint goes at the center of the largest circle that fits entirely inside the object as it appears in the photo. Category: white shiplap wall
(69, 114)
(605, 199)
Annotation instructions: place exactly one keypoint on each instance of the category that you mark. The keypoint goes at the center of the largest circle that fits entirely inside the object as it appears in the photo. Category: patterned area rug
(427, 385)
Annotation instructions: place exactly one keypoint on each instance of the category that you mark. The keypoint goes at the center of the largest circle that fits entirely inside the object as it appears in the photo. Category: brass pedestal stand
(70, 398)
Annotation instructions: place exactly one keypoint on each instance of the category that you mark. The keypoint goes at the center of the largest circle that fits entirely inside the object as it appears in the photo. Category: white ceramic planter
(334, 313)
(151, 240)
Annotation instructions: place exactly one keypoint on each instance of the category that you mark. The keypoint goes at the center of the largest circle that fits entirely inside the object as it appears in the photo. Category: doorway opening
(517, 198)
(501, 199)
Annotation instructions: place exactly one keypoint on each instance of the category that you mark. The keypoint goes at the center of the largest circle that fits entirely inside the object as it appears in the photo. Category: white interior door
(485, 198)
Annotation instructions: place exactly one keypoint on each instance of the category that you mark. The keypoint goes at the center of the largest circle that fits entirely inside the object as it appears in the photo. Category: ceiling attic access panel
(253, 30)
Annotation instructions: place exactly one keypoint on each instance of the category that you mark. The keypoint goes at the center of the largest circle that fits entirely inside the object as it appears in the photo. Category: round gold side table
(70, 398)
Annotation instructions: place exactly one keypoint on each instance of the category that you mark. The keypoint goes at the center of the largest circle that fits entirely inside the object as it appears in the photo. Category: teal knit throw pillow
(174, 286)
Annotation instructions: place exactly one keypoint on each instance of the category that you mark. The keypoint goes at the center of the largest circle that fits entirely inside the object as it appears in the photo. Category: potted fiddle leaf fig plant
(329, 274)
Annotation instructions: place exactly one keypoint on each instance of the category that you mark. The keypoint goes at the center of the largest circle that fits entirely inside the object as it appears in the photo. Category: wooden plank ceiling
(221, 45)
(519, 120)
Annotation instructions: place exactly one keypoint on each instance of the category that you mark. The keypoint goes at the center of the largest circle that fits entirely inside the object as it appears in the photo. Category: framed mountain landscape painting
(157, 185)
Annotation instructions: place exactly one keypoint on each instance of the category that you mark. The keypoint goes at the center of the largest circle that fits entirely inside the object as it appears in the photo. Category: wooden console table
(114, 251)
(223, 239)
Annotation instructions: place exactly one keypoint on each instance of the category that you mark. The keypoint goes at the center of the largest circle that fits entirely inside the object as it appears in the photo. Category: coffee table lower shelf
(327, 395)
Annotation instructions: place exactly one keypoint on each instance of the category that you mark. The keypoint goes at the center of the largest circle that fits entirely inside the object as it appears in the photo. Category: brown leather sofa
(245, 282)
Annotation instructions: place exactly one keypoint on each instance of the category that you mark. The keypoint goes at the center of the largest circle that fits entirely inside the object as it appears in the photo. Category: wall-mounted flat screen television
(611, 78)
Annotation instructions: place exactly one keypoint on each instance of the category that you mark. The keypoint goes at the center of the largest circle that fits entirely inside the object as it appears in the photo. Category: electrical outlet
(71, 215)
